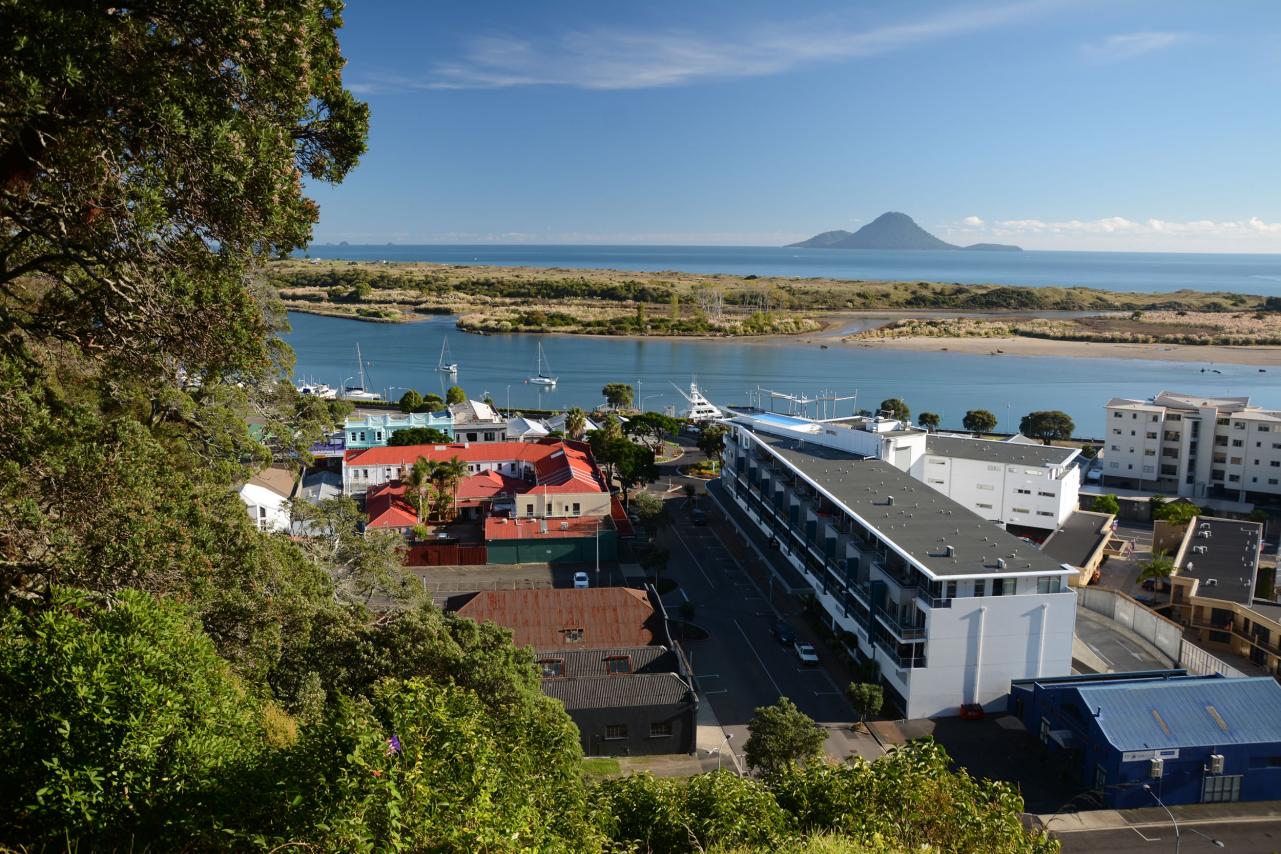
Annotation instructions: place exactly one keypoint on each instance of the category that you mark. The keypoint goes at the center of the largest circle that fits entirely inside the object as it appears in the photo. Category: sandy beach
(1210, 354)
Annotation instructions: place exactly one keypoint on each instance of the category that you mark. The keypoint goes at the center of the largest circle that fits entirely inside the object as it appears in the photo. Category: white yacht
(543, 377)
(358, 392)
(315, 389)
(446, 365)
(700, 408)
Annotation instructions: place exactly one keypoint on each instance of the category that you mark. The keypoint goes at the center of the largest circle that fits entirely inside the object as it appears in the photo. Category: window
(572, 635)
(1237, 443)
(1048, 584)
(1263, 428)
(552, 666)
(1114, 465)
(984, 506)
(1149, 452)
(1151, 435)
(986, 487)
(1032, 472)
(1221, 790)
(1021, 510)
(1044, 513)
(529, 511)
(660, 729)
(993, 468)
(362, 435)
(1234, 478)
(1238, 425)
(615, 732)
(1046, 494)
(980, 587)
(1236, 461)
(936, 481)
(1116, 447)
(576, 509)
(1148, 469)
(618, 664)
(1272, 481)
(489, 437)
(1134, 416)
(951, 590)
(1023, 491)
(1116, 415)
(936, 462)
(378, 435)
(471, 437)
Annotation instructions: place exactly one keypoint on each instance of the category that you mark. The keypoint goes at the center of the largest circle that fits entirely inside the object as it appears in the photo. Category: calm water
(399, 356)
(1120, 271)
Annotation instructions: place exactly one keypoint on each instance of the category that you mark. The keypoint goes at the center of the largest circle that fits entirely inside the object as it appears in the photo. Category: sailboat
(358, 392)
(446, 366)
(542, 378)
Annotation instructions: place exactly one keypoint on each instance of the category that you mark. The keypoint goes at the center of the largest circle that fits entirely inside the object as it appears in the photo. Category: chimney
(890, 500)
(950, 551)
(1000, 563)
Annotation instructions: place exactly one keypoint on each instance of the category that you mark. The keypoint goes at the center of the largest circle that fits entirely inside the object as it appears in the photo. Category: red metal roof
(546, 619)
(387, 507)
(560, 466)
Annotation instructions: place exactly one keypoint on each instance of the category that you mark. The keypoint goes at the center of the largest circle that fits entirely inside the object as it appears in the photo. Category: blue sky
(1057, 124)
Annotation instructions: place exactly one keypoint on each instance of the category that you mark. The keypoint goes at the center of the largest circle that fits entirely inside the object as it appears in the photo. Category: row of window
(553, 667)
(657, 729)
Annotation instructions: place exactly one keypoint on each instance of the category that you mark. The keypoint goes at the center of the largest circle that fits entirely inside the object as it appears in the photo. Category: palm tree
(575, 423)
(448, 476)
(1158, 568)
(418, 481)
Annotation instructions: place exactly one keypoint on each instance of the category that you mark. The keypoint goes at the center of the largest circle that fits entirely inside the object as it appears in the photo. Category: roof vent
(1212, 582)
(1000, 563)
(950, 551)
(889, 500)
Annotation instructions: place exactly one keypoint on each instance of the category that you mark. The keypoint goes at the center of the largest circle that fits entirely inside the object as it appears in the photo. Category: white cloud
(1253, 234)
(1123, 46)
(612, 60)
(972, 222)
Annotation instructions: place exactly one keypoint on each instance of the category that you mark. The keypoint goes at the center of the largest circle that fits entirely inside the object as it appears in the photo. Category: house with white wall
(267, 496)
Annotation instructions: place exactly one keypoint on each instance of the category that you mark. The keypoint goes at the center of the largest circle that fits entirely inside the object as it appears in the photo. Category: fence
(446, 554)
(1162, 632)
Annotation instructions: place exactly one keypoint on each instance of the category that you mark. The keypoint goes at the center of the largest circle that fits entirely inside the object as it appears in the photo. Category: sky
(1131, 125)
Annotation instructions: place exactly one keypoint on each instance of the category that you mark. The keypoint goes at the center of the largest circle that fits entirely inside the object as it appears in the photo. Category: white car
(805, 652)
(580, 581)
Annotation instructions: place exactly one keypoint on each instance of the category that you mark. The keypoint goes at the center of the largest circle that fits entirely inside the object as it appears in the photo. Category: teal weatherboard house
(374, 431)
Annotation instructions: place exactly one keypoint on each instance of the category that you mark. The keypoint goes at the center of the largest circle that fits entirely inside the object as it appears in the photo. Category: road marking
(1145, 838)
(717, 691)
(826, 693)
(684, 595)
(690, 551)
(759, 660)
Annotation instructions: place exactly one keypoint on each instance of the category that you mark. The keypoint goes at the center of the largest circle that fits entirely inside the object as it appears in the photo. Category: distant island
(892, 230)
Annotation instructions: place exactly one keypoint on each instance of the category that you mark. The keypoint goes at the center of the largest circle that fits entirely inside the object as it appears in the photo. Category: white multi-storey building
(1030, 485)
(1189, 445)
(950, 606)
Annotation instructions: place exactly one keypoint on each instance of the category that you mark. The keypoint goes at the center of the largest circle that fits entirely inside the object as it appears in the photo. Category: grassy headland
(615, 302)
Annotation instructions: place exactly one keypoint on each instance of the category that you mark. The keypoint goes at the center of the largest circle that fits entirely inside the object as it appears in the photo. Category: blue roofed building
(1192, 739)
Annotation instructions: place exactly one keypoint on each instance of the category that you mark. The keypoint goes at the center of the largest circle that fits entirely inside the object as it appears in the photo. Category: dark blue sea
(1119, 271)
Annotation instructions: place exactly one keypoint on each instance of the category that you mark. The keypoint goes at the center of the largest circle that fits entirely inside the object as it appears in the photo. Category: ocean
(1162, 272)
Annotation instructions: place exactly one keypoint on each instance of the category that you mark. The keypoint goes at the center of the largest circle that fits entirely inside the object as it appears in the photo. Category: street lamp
(725, 742)
(647, 397)
(1177, 834)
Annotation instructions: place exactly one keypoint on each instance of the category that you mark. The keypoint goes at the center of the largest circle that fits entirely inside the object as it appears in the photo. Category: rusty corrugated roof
(599, 617)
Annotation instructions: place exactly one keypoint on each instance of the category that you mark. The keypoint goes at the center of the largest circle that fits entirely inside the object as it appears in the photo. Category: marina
(403, 356)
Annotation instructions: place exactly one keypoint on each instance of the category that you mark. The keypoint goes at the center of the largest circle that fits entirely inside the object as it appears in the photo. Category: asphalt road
(740, 666)
(1245, 837)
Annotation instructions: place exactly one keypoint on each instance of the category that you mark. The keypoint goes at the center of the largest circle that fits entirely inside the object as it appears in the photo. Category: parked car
(1149, 584)
(698, 516)
(1145, 600)
(972, 712)
(783, 633)
(581, 580)
(805, 652)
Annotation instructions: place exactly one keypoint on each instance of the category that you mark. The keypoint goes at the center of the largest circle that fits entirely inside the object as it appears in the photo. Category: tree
(455, 394)
(432, 402)
(575, 423)
(712, 440)
(782, 735)
(449, 474)
(143, 191)
(651, 428)
(866, 698)
(618, 395)
(121, 722)
(929, 420)
(895, 408)
(417, 436)
(362, 565)
(410, 401)
(1174, 512)
(633, 465)
(979, 421)
(1106, 504)
(1047, 426)
(418, 484)
(650, 509)
(1157, 568)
